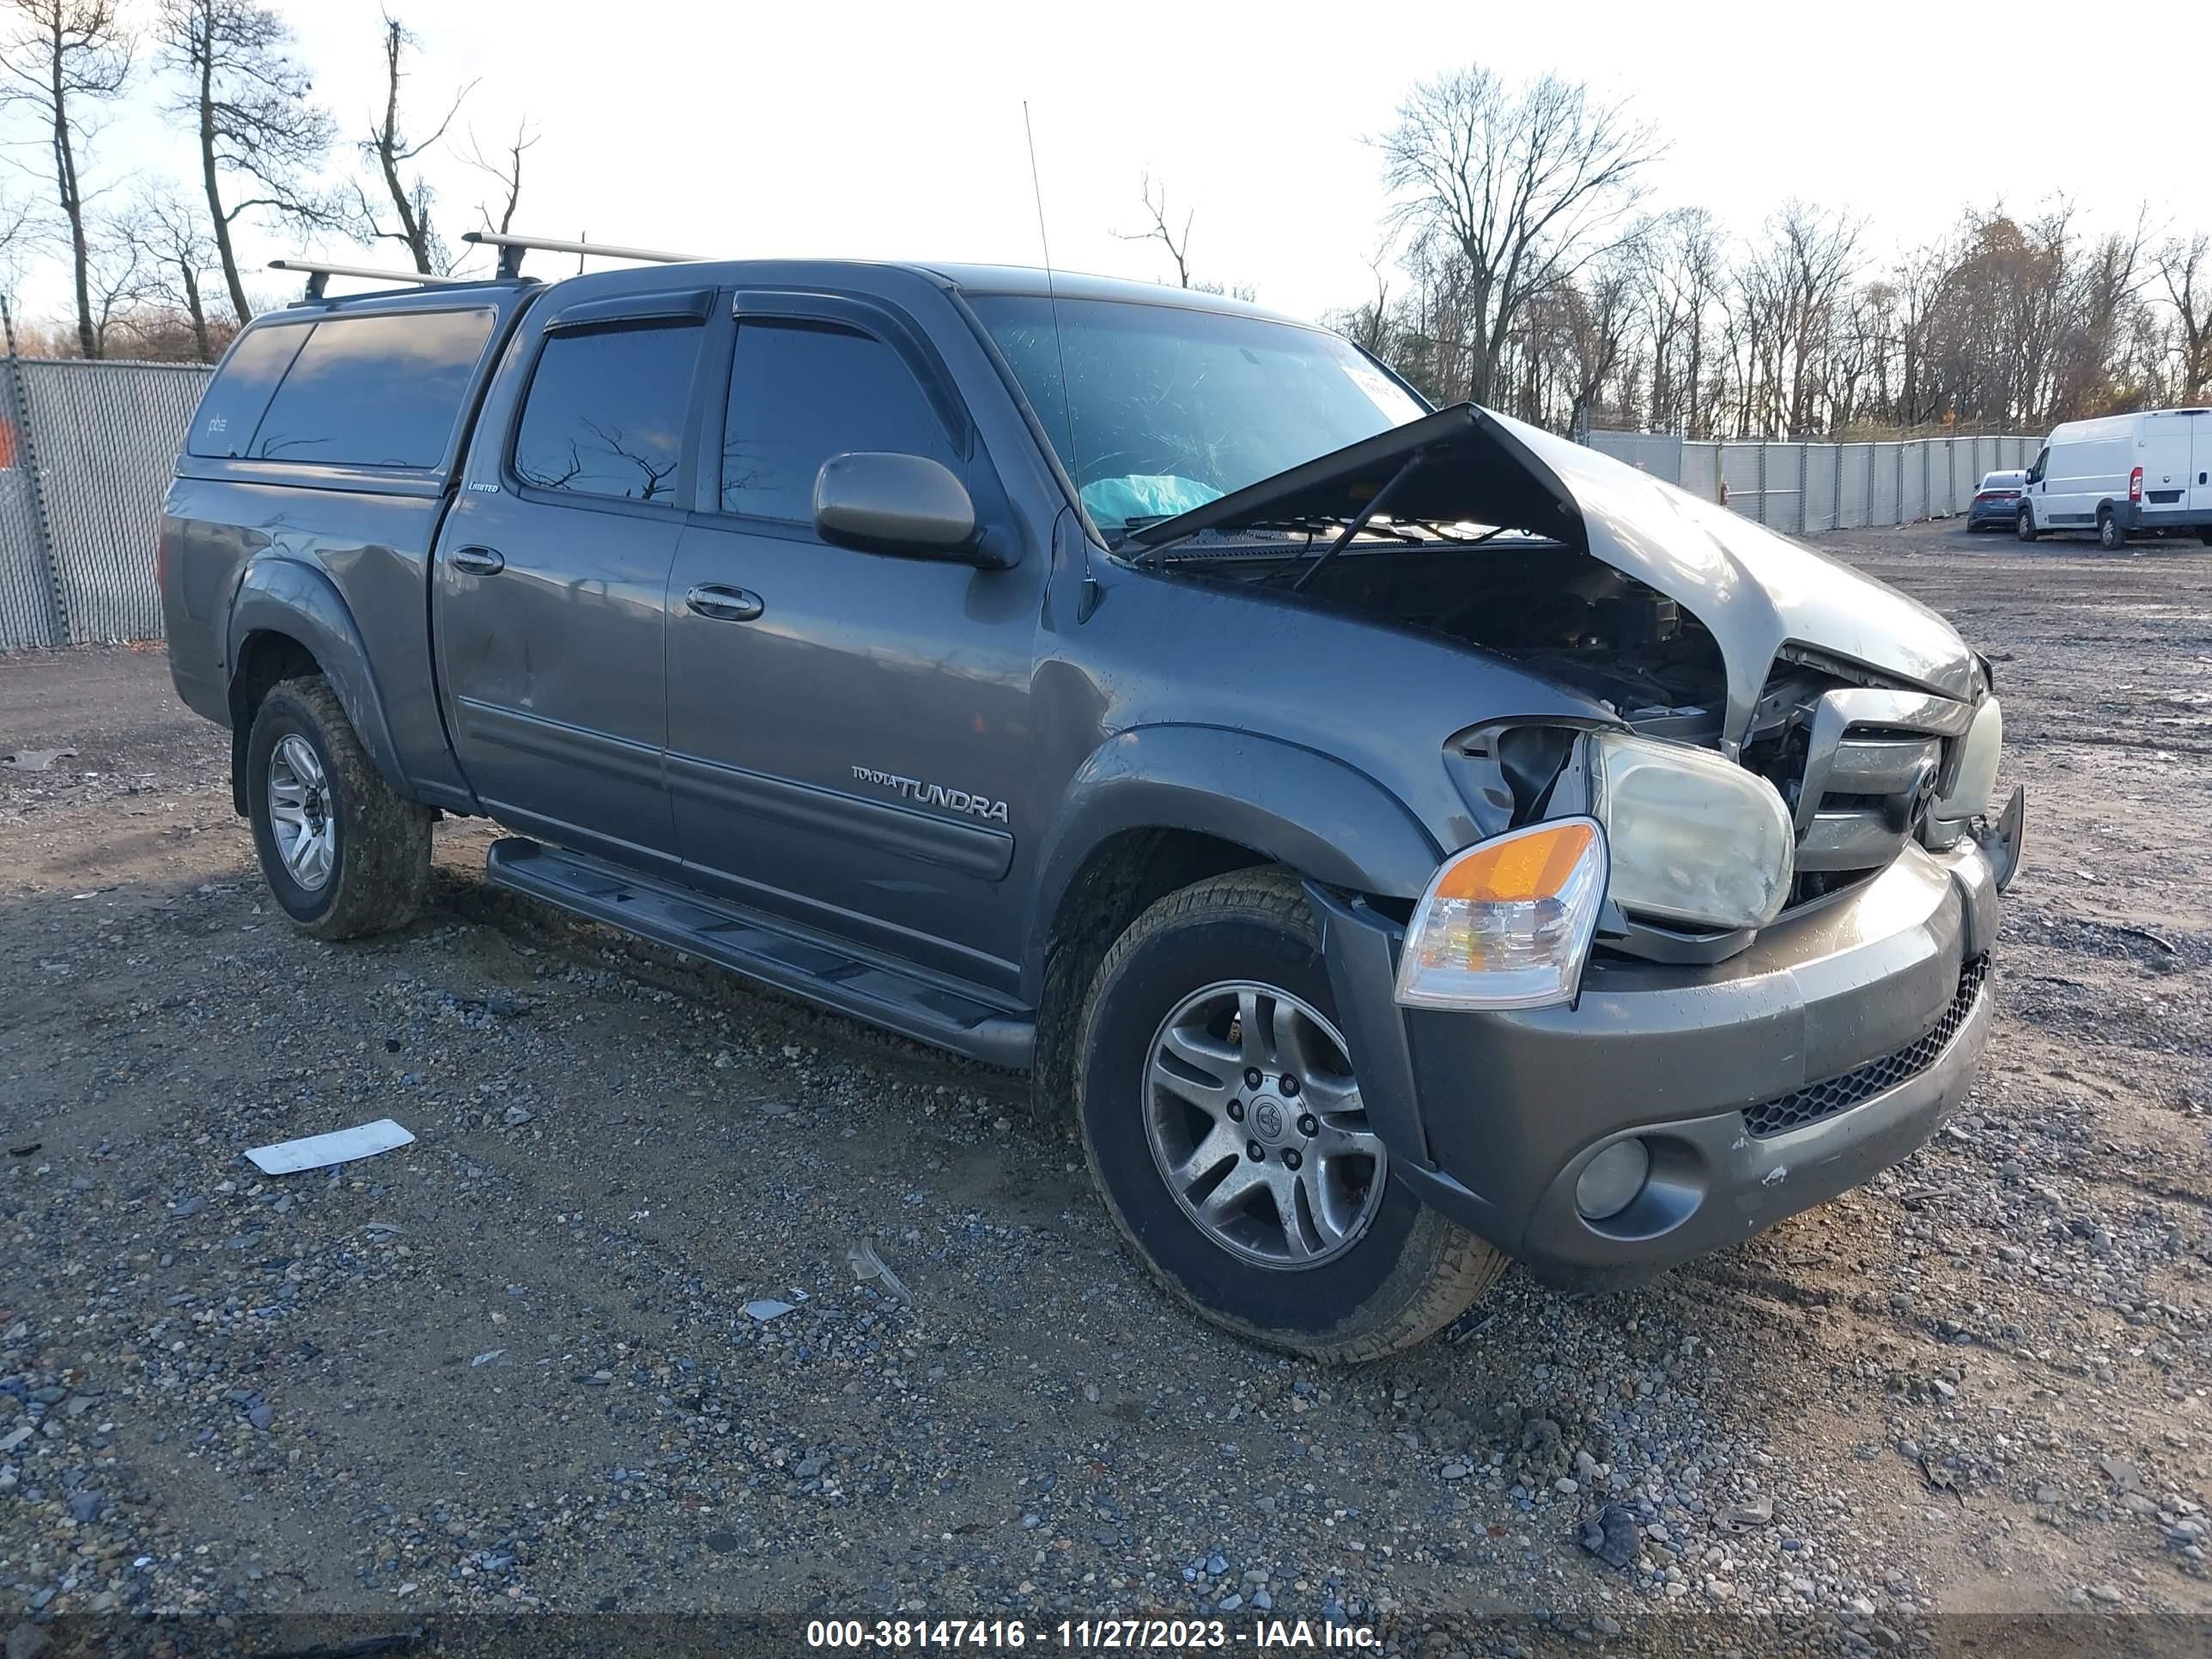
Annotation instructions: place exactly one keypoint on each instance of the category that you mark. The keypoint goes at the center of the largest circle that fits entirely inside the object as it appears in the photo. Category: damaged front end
(1869, 716)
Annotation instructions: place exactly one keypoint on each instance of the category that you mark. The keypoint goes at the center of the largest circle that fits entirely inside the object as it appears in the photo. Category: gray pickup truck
(1401, 841)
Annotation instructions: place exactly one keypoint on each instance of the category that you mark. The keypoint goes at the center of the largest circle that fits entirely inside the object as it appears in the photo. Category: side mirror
(907, 504)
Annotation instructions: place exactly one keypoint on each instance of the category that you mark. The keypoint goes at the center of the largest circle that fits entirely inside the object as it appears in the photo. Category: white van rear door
(2163, 452)
(2200, 462)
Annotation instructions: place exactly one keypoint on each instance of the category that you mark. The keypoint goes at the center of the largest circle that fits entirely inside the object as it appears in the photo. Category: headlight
(1695, 839)
(1977, 771)
(1507, 923)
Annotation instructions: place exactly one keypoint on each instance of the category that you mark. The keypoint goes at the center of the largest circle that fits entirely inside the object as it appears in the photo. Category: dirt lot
(510, 1366)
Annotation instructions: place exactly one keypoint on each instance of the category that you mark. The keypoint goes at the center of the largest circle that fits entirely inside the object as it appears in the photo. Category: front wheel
(342, 852)
(2024, 525)
(2110, 536)
(1223, 1122)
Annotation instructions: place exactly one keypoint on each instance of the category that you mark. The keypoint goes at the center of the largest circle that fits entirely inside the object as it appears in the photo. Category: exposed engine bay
(1563, 614)
(1544, 606)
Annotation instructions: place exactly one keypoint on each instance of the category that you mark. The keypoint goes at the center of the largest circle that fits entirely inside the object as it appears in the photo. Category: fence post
(1803, 478)
(1836, 517)
(26, 458)
(1762, 481)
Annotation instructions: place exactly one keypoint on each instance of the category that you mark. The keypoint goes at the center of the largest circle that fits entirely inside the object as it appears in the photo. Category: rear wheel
(341, 853)
(2110, 536)
(2204, 535)
(1225, 1128)
(2024, 525)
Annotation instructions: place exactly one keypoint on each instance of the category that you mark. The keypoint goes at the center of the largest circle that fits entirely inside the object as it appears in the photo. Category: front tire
(2024, 525)
(342, 854)
(2110, 536)
(1310, 1246)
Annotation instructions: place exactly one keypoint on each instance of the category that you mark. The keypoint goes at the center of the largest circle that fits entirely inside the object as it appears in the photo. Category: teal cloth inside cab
(1144, 495)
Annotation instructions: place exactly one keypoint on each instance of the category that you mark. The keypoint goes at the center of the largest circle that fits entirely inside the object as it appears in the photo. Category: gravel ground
(538, 1360)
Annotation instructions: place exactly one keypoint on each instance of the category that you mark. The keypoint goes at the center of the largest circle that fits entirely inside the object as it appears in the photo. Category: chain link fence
(1803, 488)
(87, 448)
(86, 452)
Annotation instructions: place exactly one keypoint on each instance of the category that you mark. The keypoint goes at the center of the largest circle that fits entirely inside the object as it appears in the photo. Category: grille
(1839, 1094)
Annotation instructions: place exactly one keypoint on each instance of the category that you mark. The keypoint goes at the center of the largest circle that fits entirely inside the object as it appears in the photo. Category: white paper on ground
(339, 1146)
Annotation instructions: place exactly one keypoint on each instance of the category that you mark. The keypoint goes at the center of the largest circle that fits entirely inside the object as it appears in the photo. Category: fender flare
(1327, 820)
(285, 596)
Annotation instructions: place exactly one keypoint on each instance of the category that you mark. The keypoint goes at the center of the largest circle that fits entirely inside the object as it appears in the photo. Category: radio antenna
(1052, 299)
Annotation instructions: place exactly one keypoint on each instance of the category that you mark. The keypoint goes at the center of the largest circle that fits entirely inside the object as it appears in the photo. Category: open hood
(1754, 590)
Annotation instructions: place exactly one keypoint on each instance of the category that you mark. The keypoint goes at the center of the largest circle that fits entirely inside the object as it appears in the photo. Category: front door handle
(478, 561)
(723, 604)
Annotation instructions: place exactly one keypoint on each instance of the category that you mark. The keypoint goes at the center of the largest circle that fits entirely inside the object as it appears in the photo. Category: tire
(2024, 525)
(1397, 1270)
(2110, 536)
(2204, 535)
(306, 770)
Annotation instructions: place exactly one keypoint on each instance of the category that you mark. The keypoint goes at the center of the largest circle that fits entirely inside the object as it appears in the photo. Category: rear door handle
(723, 603)
(478, 561)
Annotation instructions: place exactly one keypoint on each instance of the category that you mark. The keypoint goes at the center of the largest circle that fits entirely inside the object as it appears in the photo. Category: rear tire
(1371, 1269)
(344, 855)
(2204, 535)
(2110, 536)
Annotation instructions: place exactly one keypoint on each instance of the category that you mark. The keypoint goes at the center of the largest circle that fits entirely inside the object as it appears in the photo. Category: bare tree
(1368, 325)
(1528, 184)
(1596, 315)
(116, 279)
(1675, 271)
(390, 152)
(62, 59)
(18, 228)
(1815, 255)
(251, 118)
(1163, 232)
(180, 256)
(2184, 270)
(508, 173)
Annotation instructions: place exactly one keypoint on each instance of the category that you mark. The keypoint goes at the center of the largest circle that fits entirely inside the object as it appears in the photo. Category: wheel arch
(289, 619)
(1158, 809)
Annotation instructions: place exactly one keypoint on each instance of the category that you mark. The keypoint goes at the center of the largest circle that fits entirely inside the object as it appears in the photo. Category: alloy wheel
(1254, 1119)
(300, 815)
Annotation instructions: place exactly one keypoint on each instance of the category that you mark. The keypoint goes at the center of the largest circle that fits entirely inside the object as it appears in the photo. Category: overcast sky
(895, 130)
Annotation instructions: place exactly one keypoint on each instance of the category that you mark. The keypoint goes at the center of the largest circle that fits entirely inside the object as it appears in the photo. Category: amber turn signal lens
(1507, 923)
(1535, 864)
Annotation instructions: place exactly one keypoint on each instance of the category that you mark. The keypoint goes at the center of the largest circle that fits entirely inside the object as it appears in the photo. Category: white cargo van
(2122, 476)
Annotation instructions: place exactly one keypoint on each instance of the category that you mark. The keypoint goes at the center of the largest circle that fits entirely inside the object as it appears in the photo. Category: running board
(770, 952)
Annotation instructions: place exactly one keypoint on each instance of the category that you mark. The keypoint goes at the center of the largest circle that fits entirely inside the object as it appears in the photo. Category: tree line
(1520, 269)
(152, 263)
(1520, 266)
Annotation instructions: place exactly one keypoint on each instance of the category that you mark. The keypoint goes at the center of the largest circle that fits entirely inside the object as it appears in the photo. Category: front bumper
(1492, 1117)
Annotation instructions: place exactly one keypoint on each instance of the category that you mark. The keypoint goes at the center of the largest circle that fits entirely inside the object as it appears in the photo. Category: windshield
(1175, 408)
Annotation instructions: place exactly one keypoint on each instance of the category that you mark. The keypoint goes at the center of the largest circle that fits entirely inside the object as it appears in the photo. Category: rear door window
(223, 428)
(800, 392)
(606, 411)
(375, 391)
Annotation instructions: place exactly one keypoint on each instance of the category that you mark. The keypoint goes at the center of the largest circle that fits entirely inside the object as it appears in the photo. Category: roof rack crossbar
(319, 273)
(512, 248)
